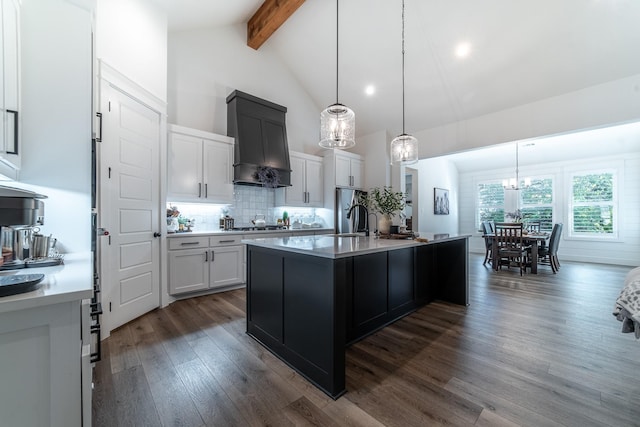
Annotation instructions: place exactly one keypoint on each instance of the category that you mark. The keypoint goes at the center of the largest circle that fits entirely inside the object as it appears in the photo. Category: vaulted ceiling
(520, 52)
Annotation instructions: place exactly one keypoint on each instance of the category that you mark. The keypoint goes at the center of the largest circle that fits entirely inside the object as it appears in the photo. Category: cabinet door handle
(199, 189)
(307, 197)
(206, 191)
(189, 243)
(206, 256)
(99, 138)
(226, 241)
(14, 149)
(212, 256)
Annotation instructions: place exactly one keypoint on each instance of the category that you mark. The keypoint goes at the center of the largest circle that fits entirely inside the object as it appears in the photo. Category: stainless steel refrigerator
(345, 199)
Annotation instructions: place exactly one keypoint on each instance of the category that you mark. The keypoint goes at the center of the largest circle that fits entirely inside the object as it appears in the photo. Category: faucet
(366, 230)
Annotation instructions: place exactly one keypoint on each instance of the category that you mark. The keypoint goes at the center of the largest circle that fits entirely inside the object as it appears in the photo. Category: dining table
(531, 238)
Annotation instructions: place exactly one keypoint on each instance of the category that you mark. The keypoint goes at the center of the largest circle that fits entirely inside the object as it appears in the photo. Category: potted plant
(387, 202)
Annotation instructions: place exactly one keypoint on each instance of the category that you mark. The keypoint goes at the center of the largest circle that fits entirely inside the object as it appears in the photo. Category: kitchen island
(308, 298)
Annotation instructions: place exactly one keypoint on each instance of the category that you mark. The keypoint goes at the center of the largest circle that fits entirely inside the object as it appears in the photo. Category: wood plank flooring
(537, 350)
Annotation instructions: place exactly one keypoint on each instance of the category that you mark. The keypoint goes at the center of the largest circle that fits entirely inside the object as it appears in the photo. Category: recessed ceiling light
(370, 90)
(463, 49)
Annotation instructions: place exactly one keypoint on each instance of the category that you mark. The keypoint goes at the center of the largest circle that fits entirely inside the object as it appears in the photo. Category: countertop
(335, 246)
(246, 232)
(70, 281)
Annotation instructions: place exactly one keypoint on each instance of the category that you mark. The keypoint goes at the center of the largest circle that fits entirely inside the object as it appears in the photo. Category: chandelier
(514, 183)
(404, 148)
(337, 121)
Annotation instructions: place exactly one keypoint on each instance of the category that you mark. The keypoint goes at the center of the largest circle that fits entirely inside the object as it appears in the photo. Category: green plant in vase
(387, 202)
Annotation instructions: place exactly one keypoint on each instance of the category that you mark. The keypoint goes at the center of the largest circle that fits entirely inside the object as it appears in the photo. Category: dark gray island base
(308, 298)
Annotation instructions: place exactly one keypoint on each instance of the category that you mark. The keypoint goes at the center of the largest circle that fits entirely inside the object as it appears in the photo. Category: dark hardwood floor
(537, 350)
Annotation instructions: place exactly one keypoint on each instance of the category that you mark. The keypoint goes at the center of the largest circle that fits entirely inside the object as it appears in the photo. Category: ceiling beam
(268, 18)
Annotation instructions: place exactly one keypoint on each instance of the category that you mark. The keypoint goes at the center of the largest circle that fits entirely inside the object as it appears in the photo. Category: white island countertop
(336, 246)
(70, 281)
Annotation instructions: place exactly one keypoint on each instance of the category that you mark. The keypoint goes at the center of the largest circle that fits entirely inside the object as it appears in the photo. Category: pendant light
(404, 148)
(337, 121)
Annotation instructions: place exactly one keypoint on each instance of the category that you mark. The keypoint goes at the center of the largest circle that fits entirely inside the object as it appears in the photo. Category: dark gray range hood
(258, 127)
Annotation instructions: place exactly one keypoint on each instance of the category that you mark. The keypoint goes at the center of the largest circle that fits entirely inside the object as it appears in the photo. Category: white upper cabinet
(343, 169)
(10, 84)
(200, 166)
(306, 182)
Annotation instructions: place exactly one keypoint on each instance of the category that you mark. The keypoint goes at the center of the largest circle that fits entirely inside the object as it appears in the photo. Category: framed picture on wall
(440, 201)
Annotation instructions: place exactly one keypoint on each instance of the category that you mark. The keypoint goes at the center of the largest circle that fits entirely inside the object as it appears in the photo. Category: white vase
(384, 224)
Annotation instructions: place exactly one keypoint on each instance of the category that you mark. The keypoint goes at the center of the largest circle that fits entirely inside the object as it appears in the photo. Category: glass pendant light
(337, 121)
(404, 148)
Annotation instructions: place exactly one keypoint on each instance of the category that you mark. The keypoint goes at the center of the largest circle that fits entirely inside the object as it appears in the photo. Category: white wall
(131, 36)
(56, 115)
(610, 103)
(207, 65)
(623, 251)
(441, 174)
(376, 166)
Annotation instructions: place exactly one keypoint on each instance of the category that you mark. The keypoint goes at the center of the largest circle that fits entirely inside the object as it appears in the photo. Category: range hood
(261, 147)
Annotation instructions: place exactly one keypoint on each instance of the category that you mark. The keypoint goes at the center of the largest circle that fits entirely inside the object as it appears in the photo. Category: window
(536, 202)
(490, 202)
(593, 210)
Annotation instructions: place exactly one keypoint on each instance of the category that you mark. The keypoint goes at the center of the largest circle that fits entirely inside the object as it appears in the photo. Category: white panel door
(315, 183)
(295, 193)
(185, 167)
(226, 266)
(129, 188)
(343, 171)
(218, 183)
(188, 270)
(356, 173)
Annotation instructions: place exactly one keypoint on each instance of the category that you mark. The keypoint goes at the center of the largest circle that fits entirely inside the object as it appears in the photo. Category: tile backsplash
(249, 201)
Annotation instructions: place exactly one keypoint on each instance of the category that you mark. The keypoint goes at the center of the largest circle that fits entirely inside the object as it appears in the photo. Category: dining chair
(487, 229)
(509, 247)
(549, 254)
(533, 226)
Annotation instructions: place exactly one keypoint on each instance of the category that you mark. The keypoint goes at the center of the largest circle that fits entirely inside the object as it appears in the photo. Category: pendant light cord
(337, 46)
(403, 132)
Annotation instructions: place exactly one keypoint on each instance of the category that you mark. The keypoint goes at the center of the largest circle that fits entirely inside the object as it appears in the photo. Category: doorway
(411, 190)
(129, 194)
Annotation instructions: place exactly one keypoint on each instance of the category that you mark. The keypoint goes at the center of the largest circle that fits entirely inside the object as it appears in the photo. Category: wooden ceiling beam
(268, 18)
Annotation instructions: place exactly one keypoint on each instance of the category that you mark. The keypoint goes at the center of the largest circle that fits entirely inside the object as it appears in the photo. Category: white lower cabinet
(226, 266)
(41, 373)
(203, 262)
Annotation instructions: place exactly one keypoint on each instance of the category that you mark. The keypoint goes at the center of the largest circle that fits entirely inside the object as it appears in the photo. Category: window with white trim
(593, 204)
(536, 202)
(490, 205)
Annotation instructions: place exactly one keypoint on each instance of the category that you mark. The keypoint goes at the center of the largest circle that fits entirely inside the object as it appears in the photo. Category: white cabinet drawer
(188, 242)
(234, 239)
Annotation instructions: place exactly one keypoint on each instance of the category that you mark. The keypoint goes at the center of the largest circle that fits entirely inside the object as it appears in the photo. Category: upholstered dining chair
(549, 254)
(487, 228)
(509, 247)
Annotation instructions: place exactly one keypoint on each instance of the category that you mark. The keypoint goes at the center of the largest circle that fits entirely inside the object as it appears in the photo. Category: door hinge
(109, 306)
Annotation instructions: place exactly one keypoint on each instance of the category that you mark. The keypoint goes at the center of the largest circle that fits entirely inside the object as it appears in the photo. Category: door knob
(156, 234)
